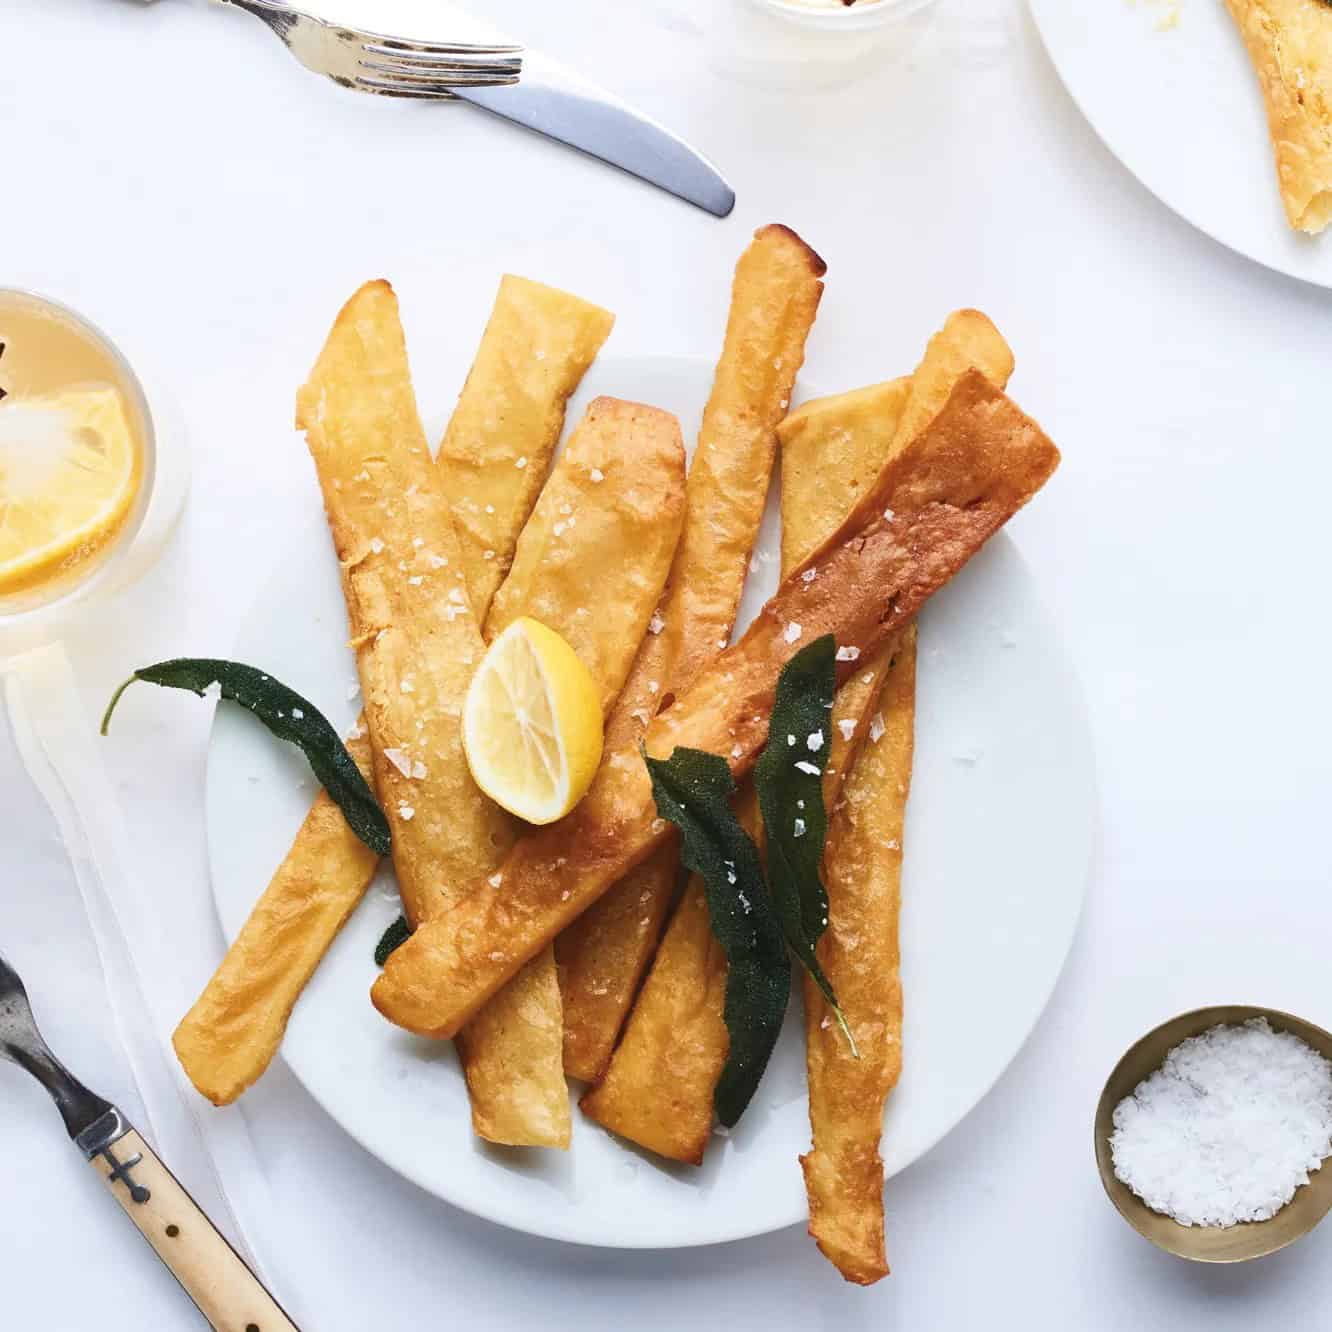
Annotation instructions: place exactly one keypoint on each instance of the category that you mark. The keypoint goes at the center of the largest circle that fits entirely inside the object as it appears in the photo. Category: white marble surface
(168, 171)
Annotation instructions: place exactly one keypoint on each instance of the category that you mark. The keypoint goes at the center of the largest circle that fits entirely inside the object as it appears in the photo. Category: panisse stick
(615, 500)
(657, 1091)
(417, 640)
(862, 871)
(233, 1030)
(774, 299)
(231, 1033)
(597, 550)
(974, 465)
(497, 449)
(863, 858)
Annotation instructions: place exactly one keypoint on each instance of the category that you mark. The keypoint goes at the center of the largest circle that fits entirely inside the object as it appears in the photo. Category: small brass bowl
(1207, 1244)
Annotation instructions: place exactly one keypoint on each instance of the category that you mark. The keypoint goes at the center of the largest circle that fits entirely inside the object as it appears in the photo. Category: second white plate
(997, 850)
(1177, 101)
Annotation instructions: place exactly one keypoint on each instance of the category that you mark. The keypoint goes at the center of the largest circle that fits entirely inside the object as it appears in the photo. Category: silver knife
(213, 1274)
(556, 102)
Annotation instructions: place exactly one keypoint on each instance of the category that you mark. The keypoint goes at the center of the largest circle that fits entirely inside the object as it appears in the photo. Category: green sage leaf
(290, 718)
(693, 790)
(789, 781)
(394, 937)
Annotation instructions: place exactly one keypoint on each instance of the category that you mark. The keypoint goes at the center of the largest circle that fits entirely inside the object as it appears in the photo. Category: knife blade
(556, 102)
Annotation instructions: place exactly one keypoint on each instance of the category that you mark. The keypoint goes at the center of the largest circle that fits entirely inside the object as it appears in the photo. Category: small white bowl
(834, 16)
(809, 43)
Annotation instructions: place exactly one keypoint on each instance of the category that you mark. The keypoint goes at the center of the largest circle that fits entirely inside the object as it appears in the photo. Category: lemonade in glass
(76, 452)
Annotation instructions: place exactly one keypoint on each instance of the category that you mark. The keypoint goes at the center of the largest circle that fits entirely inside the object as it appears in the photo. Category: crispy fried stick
(863, 859)
(967, 472)
(860, 954)
(417, 640)
(774, 299)
(497, 449)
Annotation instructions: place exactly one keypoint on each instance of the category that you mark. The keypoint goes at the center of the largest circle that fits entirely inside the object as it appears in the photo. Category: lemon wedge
(69, 471)
(532, 727)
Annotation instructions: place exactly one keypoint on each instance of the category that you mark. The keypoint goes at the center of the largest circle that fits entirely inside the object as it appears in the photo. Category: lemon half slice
(532, 727)
(69, 471)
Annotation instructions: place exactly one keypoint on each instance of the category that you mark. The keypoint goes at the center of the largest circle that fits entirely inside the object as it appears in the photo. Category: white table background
(170, 172)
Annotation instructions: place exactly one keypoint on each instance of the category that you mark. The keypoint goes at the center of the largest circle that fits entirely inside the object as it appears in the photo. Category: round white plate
(997, 852)
(1180, 107)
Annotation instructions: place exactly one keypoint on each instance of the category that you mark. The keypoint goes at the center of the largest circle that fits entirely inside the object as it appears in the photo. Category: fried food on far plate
(658, 1089)
(774, 299)
(862, 871)
(1290, 45)
(232, 1032)
(629, 520)
(974, 465)
(497, 449)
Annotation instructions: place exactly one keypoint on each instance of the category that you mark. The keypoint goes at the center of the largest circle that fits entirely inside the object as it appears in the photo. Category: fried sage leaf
(788, 779)
(395, 936)
(290, 718)
(693, 790)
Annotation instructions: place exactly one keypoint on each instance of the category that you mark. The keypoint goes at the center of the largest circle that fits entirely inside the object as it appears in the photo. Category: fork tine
(406, 94)
(406, 74)
(438, 68)
(378, 45)
(369, 52)
(444, 59)
(427, 89)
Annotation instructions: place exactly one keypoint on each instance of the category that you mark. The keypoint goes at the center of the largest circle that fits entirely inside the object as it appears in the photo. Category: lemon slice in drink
(532, 728)
(69, 471)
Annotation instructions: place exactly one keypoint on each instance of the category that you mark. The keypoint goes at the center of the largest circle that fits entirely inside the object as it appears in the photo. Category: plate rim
(1040, 11)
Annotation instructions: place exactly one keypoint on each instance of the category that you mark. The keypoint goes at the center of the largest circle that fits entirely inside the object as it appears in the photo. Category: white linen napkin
(210, 1150)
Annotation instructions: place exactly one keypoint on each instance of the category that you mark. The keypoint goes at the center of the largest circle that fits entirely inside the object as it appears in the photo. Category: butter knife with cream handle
(403, 48)
(560, 104)
(212, 1273)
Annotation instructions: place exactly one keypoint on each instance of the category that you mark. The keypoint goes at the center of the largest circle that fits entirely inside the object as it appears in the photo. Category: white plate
(997, 854)
(1180, 107)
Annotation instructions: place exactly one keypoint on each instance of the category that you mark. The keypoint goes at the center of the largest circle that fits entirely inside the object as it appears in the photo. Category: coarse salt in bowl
(1201, 1107)
(1228, 1128)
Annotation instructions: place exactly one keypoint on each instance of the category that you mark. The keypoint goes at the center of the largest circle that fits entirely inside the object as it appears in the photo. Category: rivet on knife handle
(212, 1273)
(228, 1294)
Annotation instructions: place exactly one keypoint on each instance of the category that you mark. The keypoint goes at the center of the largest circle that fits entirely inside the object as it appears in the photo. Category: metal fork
(388, 66)
(226, 1292)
